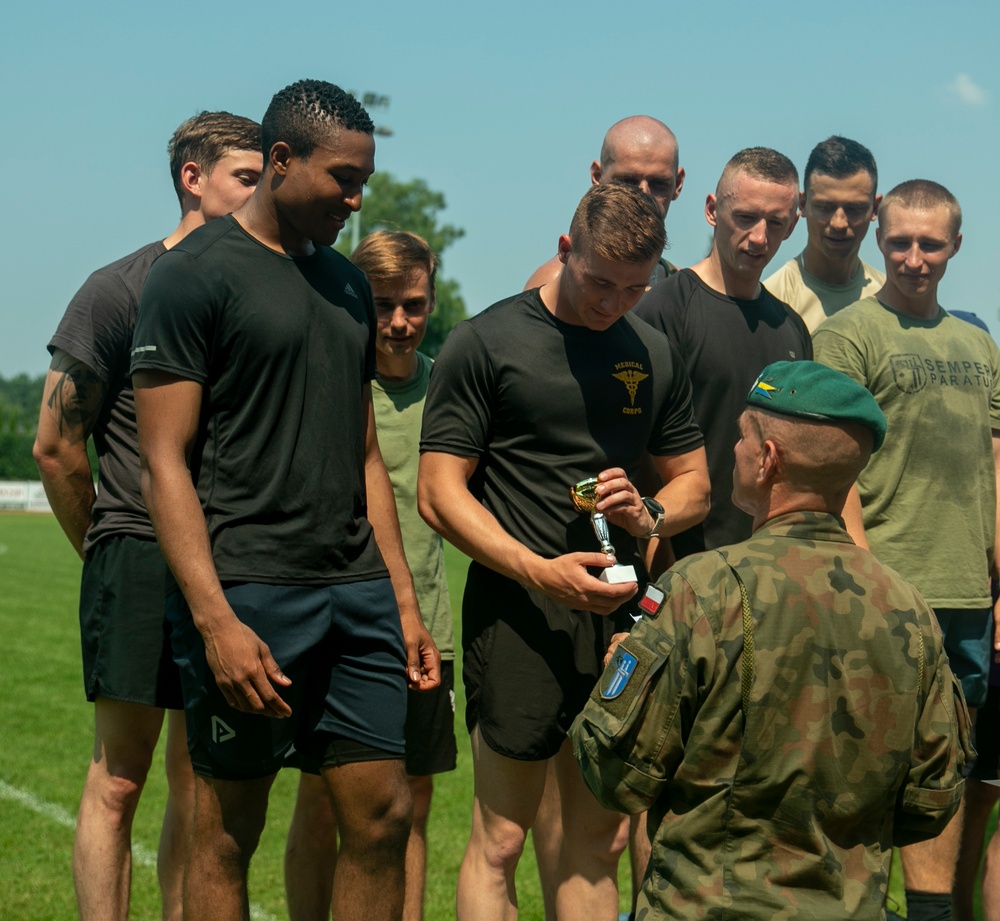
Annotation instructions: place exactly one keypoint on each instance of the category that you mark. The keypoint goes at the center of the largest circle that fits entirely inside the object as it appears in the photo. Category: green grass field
(47, 736)
(47, 732)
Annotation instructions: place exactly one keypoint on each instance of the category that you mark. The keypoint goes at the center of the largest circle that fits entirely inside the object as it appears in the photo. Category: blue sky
(501, 107)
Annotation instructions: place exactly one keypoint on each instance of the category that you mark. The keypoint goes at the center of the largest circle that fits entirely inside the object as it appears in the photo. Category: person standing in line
(129, 675)
(252, 360)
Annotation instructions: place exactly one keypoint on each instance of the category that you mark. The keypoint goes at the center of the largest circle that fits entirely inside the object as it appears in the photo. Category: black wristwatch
(656, 513)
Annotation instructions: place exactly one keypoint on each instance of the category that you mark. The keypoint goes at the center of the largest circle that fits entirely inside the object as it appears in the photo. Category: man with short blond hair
(927, 505)
(839, 201)
(215, 162)
(540, 391)
(726, 325)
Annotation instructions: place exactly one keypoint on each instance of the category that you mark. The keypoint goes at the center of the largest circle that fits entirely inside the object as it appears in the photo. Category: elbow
(427, 507)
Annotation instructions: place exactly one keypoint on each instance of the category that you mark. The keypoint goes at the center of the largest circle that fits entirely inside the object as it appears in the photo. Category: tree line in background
(388, 205)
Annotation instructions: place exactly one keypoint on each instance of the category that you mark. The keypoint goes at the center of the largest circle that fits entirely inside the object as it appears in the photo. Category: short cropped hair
(620, 223)
(387, 257)
(302, 114)
(206, 138)
(923, 194)
(760, 163)
(840, 158)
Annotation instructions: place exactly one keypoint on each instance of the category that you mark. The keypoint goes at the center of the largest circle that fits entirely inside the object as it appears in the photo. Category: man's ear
(565, 248)
(711, 204)
(680, 182)
(875, 204)
(770, 463)
(595, 172)
(279, 157)
(802, 199)
(191, 179)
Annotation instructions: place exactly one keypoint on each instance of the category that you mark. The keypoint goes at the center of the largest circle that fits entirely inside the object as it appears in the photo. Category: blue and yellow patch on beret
(810, 390)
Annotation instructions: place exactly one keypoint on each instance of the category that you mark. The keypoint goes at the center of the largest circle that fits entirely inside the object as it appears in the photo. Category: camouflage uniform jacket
(854, 738)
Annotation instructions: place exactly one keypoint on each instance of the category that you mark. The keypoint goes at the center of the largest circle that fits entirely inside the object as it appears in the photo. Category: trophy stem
(600, 523)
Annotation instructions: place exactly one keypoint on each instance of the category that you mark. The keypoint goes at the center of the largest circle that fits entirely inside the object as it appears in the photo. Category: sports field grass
(46, 737)
(46, 734)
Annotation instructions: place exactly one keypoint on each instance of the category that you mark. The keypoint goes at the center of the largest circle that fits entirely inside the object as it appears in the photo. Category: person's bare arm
(423, 661)
(853, 519)
(167, 409)
(450, 509)
(71, 402)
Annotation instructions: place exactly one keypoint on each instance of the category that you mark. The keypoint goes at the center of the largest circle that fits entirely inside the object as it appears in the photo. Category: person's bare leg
(546, 836)
(177, 816)
(124, 740)
(978, 800)
(991, 879)
(640, 850)
(371, 801)
(421, 790)
(594, 839)
(311, 852)
(228, 820)
(929, 866)
(506, 793)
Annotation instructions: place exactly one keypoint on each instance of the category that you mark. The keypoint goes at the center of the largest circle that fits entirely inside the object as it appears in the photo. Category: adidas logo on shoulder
(349, 290)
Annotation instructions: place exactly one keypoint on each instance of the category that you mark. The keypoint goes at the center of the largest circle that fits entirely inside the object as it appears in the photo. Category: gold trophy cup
(584, 496)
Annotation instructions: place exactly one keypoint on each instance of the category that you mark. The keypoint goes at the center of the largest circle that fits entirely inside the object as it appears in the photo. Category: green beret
(814, 391)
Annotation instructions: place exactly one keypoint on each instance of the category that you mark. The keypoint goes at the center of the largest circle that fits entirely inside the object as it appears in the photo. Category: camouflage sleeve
(942, 747)
(629, 738)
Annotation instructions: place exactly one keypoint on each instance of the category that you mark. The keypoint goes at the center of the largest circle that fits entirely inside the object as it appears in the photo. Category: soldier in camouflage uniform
(784, 709)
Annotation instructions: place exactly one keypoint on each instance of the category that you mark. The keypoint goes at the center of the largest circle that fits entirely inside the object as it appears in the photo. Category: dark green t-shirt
(283, 347)
(543, 404)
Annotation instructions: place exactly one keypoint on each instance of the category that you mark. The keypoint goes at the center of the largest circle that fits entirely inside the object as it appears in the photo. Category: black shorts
(987, 738)
(527, 673)
(430, 727)
(342, 646)
(124, 634)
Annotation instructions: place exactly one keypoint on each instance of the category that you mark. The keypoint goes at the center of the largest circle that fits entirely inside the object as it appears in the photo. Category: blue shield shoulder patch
(624, 665)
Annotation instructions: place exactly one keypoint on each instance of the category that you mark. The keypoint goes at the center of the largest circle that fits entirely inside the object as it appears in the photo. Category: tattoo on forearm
(76, 397)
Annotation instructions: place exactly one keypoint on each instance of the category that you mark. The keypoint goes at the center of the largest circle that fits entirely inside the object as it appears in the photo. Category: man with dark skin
(267, 502)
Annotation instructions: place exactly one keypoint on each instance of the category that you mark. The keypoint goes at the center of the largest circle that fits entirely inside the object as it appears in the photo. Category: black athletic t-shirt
(724, 344)
(283, 347)
(543, 404)
(97, 330)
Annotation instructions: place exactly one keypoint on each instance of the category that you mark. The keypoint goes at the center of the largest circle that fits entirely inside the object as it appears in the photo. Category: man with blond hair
(927, 506)
(129, 675)
(540, 391)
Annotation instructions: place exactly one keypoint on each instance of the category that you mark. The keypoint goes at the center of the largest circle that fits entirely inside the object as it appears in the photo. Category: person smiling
(253, 356)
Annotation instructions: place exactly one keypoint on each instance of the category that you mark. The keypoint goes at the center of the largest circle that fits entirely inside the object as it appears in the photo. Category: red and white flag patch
(652, 601)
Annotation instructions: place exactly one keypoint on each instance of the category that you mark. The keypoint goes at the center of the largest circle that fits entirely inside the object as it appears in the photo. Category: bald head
(642, 152)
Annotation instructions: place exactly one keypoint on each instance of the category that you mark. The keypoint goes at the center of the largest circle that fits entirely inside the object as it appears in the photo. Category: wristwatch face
(654, 508)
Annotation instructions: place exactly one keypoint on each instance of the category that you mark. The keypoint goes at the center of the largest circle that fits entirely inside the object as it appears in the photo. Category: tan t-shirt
(814, 300)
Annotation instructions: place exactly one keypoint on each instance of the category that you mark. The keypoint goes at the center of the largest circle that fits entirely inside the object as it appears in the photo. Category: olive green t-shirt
(929, 495)
(399, 406)
(814, 300)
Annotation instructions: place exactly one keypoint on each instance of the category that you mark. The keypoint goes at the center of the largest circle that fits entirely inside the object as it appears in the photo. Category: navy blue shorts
(968, 640)
(342, 646)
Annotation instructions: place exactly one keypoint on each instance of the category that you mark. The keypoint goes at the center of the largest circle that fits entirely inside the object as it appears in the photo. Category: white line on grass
(140, 854)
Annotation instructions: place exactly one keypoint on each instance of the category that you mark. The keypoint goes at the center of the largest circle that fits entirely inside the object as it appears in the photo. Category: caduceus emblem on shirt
(631, 380)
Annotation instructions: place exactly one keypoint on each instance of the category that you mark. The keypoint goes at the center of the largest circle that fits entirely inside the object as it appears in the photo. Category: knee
(501, 845)
(380, 827)
(603, 836)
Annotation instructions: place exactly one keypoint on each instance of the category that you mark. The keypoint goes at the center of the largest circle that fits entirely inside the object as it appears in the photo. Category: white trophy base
(617, 574)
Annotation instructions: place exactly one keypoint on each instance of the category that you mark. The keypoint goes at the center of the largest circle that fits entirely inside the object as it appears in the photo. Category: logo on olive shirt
(623, 664)
(908, 372)
(631, 375)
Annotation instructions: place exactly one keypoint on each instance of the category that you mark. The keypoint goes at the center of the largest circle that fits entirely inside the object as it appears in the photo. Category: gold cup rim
(584, 494)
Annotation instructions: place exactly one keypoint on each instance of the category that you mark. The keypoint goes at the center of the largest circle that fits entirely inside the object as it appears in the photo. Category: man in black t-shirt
(526, 399)
(252, 362)
(129, 674)
(642, 152)
(726, 326)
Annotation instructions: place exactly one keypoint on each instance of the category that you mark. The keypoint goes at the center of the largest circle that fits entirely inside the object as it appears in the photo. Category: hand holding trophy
(584, 496)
